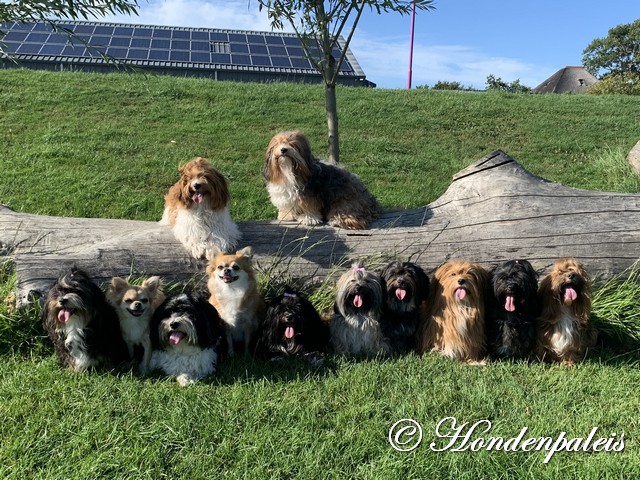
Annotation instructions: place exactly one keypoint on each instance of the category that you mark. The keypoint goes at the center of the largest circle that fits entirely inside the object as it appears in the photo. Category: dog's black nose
(196, 186)
(461, 281)
(571, 276)
(174, 325)
(63, 301)
(284, 150)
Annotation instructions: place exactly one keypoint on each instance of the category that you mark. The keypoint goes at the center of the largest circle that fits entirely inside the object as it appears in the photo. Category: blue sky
(461, 40)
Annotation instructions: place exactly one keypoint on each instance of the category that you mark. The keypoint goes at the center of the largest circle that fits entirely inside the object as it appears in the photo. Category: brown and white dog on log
(196, 209)
(234, 294)
(454, 324)
(564, 333)
(311, 191)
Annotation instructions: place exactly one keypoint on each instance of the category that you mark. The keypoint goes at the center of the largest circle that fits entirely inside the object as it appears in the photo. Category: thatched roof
(567, 80)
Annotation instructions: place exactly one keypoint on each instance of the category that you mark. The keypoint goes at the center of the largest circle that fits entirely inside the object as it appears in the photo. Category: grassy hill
(109, 146)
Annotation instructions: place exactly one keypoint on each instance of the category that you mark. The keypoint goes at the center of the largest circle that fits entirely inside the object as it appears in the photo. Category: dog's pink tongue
(63, 315)
(461, 293)
(357, 301)
(510, 305)
(401, 293)
(198, 197)
(289, 333)
(570, 294)
(175, 338)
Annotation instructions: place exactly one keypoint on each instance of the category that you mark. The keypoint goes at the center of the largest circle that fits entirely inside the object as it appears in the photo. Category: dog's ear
(219, 196)
(153, 284)
(246, 252)
(266, 172)
(118, 285)
(212, 266)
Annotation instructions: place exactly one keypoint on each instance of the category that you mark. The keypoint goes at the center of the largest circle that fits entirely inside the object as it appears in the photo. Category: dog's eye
(128, 300)
(144, 300)
(236, 267)
(220, 267)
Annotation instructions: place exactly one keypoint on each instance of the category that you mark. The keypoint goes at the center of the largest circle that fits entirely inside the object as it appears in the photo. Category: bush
(617, 84)
(496, 83)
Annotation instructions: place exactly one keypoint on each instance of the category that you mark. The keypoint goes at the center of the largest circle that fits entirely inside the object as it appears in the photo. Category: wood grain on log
(493, 211)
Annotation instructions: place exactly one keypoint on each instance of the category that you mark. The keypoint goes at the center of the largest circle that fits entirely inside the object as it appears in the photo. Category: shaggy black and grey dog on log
(513, 310)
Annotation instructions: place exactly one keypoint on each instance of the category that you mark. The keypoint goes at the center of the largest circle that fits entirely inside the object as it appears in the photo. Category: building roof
(239, 55)
(567, 80)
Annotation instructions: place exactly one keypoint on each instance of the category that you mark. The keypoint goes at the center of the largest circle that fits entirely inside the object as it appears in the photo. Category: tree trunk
(332, 123)
(493, 211)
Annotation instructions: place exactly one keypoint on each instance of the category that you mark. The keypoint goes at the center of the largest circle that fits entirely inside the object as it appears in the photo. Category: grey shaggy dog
(355, 326)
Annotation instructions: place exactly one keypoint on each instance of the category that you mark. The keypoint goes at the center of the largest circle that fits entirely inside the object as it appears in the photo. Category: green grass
(109, 145)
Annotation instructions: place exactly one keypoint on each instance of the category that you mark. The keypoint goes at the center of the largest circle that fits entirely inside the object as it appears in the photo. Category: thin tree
(319, 25)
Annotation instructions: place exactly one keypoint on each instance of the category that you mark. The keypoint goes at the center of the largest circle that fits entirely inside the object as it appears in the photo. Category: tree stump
(493, 211)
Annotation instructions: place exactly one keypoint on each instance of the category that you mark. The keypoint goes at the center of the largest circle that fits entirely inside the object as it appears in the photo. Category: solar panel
(180, 45)
(239, 48)
(120, 42)
(160, 43)
(191, 48)
(140, 42)
(200, 36)
(183, 34)
(137, 54)
(260, 60)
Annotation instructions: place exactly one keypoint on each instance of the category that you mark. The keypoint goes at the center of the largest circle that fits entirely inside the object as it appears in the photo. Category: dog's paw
(184, 380)
(310, 220)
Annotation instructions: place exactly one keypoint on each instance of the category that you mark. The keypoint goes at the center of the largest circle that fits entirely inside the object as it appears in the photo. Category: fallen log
(493, 211)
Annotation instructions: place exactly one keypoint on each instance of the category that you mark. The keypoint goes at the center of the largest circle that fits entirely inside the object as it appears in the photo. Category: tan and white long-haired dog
(234, 293)
(196, 209)
(454, 323)
(313, 192)
(564, 333)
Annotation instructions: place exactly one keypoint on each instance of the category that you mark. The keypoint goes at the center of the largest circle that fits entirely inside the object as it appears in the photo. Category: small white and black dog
(306, 189)
(293, 328)
(82, 326)
(512, 312)
(187, 337)
(405, 286)
(355, 326)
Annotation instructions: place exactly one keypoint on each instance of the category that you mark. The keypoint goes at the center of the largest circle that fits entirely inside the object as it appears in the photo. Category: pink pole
(413, 22)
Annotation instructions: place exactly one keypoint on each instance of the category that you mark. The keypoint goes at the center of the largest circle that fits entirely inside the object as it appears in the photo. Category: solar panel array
(140, 44)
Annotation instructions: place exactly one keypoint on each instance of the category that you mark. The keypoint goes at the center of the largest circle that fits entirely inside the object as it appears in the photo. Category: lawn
(75, 144)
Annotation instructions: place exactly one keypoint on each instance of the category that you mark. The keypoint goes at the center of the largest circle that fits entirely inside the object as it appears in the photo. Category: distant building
(567, 80)
(236, 55)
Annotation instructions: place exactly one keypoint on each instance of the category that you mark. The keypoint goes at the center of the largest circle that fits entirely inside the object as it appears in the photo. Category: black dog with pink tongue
(293, 328)
(513, 310)
(405, 286)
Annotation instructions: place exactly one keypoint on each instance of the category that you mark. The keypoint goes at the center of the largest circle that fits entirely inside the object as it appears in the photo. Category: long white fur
(202, 231)
(75, 342)
(565, 333)
(242, 323)
(188, 363)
